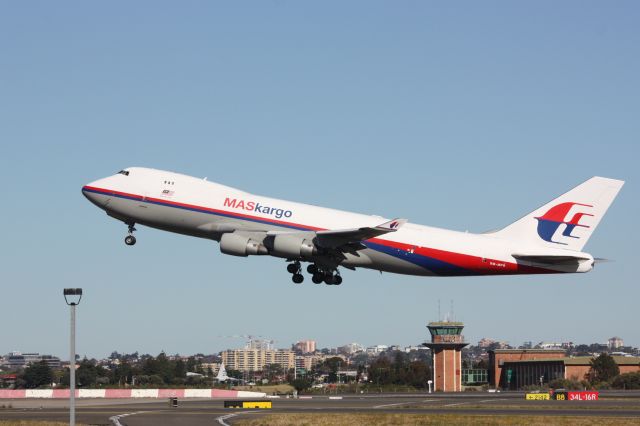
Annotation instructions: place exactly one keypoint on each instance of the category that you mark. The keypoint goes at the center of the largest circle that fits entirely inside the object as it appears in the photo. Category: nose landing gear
(130, 239)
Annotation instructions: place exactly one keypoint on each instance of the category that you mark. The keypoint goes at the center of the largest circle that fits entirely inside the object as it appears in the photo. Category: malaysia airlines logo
(550, 222)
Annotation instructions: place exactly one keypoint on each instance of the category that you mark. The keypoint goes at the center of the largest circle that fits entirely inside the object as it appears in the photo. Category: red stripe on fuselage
(478, 265)
(201, 208)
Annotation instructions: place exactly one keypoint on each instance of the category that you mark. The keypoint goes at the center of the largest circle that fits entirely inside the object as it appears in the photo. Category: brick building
(517, 368)
(498, 357)
(578, 368)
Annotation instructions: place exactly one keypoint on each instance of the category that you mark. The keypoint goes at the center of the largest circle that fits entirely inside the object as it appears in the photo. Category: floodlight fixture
(76, 292)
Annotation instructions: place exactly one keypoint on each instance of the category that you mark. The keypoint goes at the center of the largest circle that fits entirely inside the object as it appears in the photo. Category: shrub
(155, 380)
(533, 388)
(627, 381)
(565, 384)
(601, 385)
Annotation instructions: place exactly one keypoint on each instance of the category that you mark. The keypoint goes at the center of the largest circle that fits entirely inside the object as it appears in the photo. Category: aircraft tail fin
(222, 374)
(568, 221)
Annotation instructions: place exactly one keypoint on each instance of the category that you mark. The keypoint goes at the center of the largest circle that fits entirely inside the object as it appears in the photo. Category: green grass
(32, 423)
(268, 389)
(561, 405)
(383, 419)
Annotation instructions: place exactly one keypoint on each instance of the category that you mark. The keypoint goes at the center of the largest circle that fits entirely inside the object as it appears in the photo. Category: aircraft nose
(96, 193)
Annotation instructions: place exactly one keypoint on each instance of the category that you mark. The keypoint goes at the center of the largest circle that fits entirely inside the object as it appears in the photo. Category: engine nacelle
(240, 245)
(293, 247)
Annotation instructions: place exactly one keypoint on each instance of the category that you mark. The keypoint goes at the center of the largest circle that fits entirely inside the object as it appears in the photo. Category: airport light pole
(75, 295)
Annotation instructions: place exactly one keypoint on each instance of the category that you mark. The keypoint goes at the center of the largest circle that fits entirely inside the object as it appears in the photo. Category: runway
(206, 412)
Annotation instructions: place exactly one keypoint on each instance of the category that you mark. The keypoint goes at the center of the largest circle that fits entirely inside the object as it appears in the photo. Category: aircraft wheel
(312, 269)
(297, 278)
(317, 278)
(130, 240)
(337, 280)
(293, 268)
(329, 279)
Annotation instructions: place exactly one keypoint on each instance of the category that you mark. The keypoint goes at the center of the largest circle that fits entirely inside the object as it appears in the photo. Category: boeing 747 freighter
(548, 240)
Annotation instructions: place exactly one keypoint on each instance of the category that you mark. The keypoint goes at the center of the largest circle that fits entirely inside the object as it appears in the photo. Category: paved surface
(208, 412)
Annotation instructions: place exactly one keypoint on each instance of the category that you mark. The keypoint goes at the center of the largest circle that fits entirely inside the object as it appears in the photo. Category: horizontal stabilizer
(551, 259)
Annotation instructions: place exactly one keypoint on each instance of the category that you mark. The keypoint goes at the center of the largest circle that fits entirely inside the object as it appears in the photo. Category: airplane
(548, 240)
(222, 376)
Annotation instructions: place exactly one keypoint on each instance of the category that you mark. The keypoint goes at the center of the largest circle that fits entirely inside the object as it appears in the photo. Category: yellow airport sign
(537, 397)
(247, 404)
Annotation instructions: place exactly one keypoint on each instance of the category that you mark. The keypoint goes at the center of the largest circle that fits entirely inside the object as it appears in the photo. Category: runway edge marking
(474, 402)
(391, 405)
(403, 403)
(116, 419)
(222, 419)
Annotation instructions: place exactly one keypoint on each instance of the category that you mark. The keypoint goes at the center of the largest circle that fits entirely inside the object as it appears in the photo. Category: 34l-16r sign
(576, 396)
(582, 396)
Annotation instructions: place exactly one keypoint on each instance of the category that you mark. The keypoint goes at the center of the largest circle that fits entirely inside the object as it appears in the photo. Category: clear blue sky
(462, 115)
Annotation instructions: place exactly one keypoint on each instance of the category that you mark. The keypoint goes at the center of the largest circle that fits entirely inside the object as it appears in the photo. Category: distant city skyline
(476, 341)
(611, 343)
(461, 115)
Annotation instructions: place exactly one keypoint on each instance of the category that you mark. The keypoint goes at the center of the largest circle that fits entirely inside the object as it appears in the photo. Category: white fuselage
(197, 207)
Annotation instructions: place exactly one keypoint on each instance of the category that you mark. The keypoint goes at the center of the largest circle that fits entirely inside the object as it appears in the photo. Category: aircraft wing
(332, 239)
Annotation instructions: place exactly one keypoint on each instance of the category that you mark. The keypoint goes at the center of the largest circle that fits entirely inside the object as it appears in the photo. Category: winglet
(392, 226)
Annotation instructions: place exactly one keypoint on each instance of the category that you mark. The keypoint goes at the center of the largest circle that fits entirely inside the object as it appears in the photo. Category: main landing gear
(295, 268)
(318, 275)
(130, 239)
(328, 276)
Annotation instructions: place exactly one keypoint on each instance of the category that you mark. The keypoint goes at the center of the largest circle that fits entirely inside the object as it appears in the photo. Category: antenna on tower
(453, 318)
(439, 316)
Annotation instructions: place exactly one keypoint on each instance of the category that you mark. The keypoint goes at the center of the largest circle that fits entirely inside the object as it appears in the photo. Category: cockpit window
(123, 172)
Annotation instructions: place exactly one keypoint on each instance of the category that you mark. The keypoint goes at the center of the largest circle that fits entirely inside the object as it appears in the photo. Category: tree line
(388, 369)
(148, 371)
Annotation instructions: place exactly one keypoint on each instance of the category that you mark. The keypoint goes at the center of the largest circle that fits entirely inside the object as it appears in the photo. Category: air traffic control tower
(446, 346)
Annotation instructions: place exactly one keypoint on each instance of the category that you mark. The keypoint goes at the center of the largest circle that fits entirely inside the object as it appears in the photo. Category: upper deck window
(124, 172)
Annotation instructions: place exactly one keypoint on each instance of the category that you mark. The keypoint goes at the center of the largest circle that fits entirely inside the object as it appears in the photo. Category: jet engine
(240, 245)
(292, 246)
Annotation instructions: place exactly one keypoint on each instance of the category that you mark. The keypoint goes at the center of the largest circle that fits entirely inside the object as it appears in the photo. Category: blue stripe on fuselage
(434, 265)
